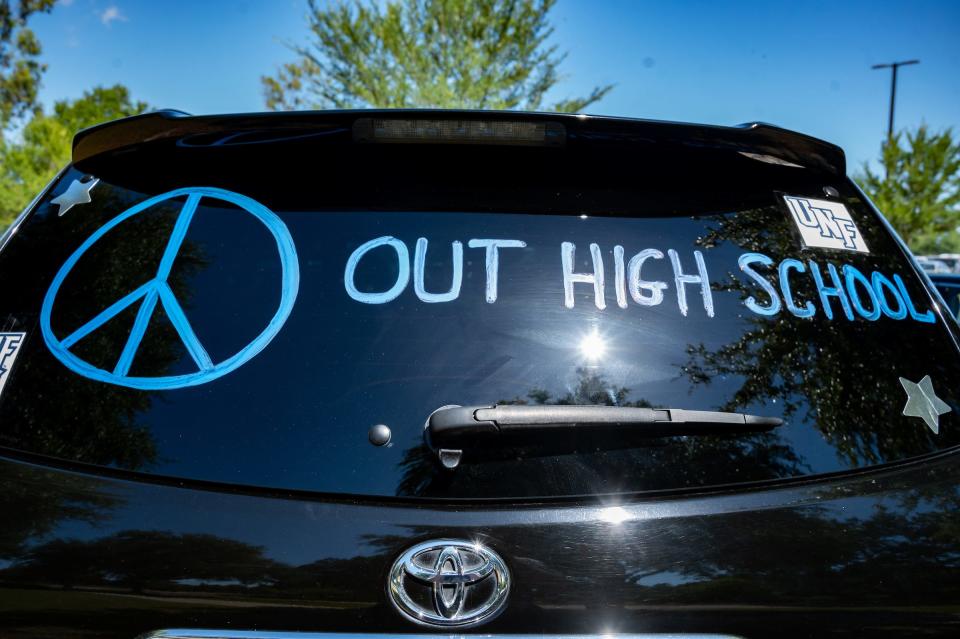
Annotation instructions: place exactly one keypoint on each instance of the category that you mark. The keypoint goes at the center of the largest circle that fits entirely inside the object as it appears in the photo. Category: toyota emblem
(449, 583)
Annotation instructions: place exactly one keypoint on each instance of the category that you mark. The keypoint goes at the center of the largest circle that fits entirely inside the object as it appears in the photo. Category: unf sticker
(825, 224)
(9, 347)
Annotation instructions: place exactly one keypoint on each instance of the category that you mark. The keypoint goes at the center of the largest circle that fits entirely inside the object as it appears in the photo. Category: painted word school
(841, 290)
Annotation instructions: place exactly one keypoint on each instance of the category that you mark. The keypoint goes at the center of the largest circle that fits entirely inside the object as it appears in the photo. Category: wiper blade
(451, 428)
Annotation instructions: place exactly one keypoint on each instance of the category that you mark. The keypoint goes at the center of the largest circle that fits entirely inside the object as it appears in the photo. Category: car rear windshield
(247, 312)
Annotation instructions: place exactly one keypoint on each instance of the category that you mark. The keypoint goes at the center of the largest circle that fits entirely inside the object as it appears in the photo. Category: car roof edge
(762, 141)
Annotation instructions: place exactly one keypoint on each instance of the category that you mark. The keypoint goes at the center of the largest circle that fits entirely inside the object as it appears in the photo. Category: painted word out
(492, 248)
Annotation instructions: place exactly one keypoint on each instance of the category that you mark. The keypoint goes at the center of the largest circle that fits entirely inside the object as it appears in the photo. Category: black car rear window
(247, 315)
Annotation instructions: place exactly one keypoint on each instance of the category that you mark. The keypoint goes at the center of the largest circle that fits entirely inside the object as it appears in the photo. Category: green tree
(477, 54)
(43, 146)
(20, 69)
(919, 189)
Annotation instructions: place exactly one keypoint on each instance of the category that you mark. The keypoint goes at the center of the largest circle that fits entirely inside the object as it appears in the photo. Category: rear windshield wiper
(451, 428)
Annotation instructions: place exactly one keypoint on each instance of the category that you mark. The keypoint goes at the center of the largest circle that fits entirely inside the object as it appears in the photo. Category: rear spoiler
(763, 142)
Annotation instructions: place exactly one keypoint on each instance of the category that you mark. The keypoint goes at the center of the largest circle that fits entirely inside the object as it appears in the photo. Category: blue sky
(802, 65)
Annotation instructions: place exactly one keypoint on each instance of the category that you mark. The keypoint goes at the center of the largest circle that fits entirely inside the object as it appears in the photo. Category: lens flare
(593, 346)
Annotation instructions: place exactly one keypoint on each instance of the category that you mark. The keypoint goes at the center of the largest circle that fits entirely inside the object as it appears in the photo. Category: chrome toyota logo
(449, 583)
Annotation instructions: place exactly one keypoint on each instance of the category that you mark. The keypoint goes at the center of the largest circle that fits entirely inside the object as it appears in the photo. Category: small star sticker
(923, 402)
(77, 193)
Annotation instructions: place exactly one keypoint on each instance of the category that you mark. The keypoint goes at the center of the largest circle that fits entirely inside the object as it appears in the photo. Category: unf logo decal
(825, 224)
(10, 344)
(449, 583)
(156, 295)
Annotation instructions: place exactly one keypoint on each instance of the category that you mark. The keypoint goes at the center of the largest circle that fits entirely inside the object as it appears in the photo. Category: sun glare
(592, 346)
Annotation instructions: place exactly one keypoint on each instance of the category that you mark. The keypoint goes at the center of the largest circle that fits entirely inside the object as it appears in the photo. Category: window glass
(253, 331)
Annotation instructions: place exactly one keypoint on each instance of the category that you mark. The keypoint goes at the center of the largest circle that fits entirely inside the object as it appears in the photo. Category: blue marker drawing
(403, 271)
(826, 292)
(882, 283)
(869, 297)
(808, 309)
(157, 291)
(852, 276)
(926, 317)
(681, 279)
(420, 265)
(493, 261)
(759, 258)
(637, 285)
(567, 254)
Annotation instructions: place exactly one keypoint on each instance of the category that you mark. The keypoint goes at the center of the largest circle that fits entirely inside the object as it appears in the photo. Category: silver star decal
(922, 402)
(77, 193)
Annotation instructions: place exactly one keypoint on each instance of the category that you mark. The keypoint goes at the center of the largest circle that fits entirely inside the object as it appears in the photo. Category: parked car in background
(933, 265)
(948, 285)
(384, 373)
(952, 260)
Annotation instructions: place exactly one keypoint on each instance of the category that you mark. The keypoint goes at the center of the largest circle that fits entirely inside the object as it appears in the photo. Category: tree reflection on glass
(840, 378)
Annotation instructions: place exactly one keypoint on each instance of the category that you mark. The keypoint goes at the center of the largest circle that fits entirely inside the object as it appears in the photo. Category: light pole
(893, 87)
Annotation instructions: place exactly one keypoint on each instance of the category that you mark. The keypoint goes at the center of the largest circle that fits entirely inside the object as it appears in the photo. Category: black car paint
(873, 552)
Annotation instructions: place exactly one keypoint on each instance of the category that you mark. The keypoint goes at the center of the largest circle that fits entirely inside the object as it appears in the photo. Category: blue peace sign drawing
(158, 290)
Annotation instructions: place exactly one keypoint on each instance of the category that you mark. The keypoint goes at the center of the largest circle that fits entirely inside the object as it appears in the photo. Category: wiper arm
(450, 428)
